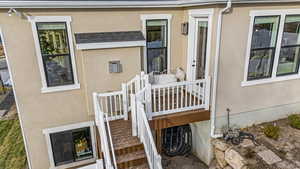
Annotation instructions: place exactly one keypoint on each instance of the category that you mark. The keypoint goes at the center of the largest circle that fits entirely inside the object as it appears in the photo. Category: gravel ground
(183, 162)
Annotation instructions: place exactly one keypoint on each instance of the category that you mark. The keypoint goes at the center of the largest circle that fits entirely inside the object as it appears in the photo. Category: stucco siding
(230, 93)
(45, 110)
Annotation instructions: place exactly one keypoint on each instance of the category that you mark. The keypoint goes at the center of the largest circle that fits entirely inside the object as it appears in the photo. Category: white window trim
(146, 17)
(49, 131)
(273, 78)
(67, 20)
(193, 15)
(108, 45)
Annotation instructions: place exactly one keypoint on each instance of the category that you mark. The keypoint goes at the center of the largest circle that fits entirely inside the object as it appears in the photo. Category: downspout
(216, 70)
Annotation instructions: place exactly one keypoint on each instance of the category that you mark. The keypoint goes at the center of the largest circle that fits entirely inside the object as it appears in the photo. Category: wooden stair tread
(122, 145)
(143, 166)
(131, 156)
(122, 134)
(129, 150)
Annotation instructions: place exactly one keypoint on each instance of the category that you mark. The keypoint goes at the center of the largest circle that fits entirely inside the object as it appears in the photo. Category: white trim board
(146, 17)
(49, 131)
(108, 45)
(274, 78)
(67, 20)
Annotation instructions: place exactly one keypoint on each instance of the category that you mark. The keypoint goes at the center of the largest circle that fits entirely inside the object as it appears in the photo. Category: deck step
(142, 166)
(129, 150)
(131, 159)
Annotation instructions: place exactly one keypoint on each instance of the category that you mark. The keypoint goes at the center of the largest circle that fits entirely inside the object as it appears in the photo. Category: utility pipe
(216, 70)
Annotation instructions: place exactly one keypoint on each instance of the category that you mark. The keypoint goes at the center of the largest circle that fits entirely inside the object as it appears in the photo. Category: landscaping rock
(247, 143)
(269, 157)
(234, 159)
(228, 167)
(221, 145)
(220, 157)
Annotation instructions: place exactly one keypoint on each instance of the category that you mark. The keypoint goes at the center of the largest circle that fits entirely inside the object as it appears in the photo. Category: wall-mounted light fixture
(185, 28)
(12, 11)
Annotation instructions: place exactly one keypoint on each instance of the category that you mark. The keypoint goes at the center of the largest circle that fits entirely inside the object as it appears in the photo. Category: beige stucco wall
(232, 64)
(96, 74)
(39, 111)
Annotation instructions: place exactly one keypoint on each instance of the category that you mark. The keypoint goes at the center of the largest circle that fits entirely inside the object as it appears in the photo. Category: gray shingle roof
(101, 37)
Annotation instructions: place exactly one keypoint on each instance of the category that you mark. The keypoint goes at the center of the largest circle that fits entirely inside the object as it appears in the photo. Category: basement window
(70, 146)
(273, 52)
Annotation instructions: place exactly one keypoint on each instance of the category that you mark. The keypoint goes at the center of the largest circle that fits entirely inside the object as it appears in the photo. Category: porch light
(185, 28)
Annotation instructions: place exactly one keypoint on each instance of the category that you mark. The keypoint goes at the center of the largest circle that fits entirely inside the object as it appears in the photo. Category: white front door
(199, 57)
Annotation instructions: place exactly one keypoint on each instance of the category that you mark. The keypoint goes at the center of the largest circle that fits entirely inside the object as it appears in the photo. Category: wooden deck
(176, 119)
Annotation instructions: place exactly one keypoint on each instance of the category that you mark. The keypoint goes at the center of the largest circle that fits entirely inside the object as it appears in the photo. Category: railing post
(133, 114)
(99, 164)
(137, 83)
(148, 96)
(207, 93)
(125, 101)
(96, 108)
(158, 162)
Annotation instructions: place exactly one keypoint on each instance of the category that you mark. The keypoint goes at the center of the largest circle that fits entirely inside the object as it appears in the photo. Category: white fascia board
(109, 45)
(103, 4)
(126, 4)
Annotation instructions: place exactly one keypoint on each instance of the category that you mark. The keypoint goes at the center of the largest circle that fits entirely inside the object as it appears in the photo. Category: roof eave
(125, 4)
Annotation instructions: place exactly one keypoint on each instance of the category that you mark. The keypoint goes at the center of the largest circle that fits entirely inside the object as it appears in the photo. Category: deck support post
(207, 93)
(158, 141)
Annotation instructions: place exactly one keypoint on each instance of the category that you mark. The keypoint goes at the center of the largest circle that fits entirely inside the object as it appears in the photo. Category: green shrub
(272, 131)
(294, 121)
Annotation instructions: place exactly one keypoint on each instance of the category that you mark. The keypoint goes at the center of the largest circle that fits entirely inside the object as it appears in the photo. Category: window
(55, 53)
(290, 46)
(156, 29)
(273, 54)
(68, 145)
(157, 45)
(263, 47)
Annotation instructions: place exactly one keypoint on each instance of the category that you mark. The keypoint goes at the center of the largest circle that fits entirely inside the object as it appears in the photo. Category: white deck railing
(142, 129)
(113, 104)
(179, 96)
(105, 134)
(146, 101)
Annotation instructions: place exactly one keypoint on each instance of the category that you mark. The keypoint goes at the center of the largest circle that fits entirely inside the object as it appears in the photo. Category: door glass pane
(289, 53)
(263, 45)
(55, 52)
(201, 49)
(156, 45)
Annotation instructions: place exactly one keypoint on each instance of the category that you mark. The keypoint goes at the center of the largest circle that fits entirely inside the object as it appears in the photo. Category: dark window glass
(290, 45)
(202, 47)
(263, 46)
(71, 146)
(157, 45)
(55, 52)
